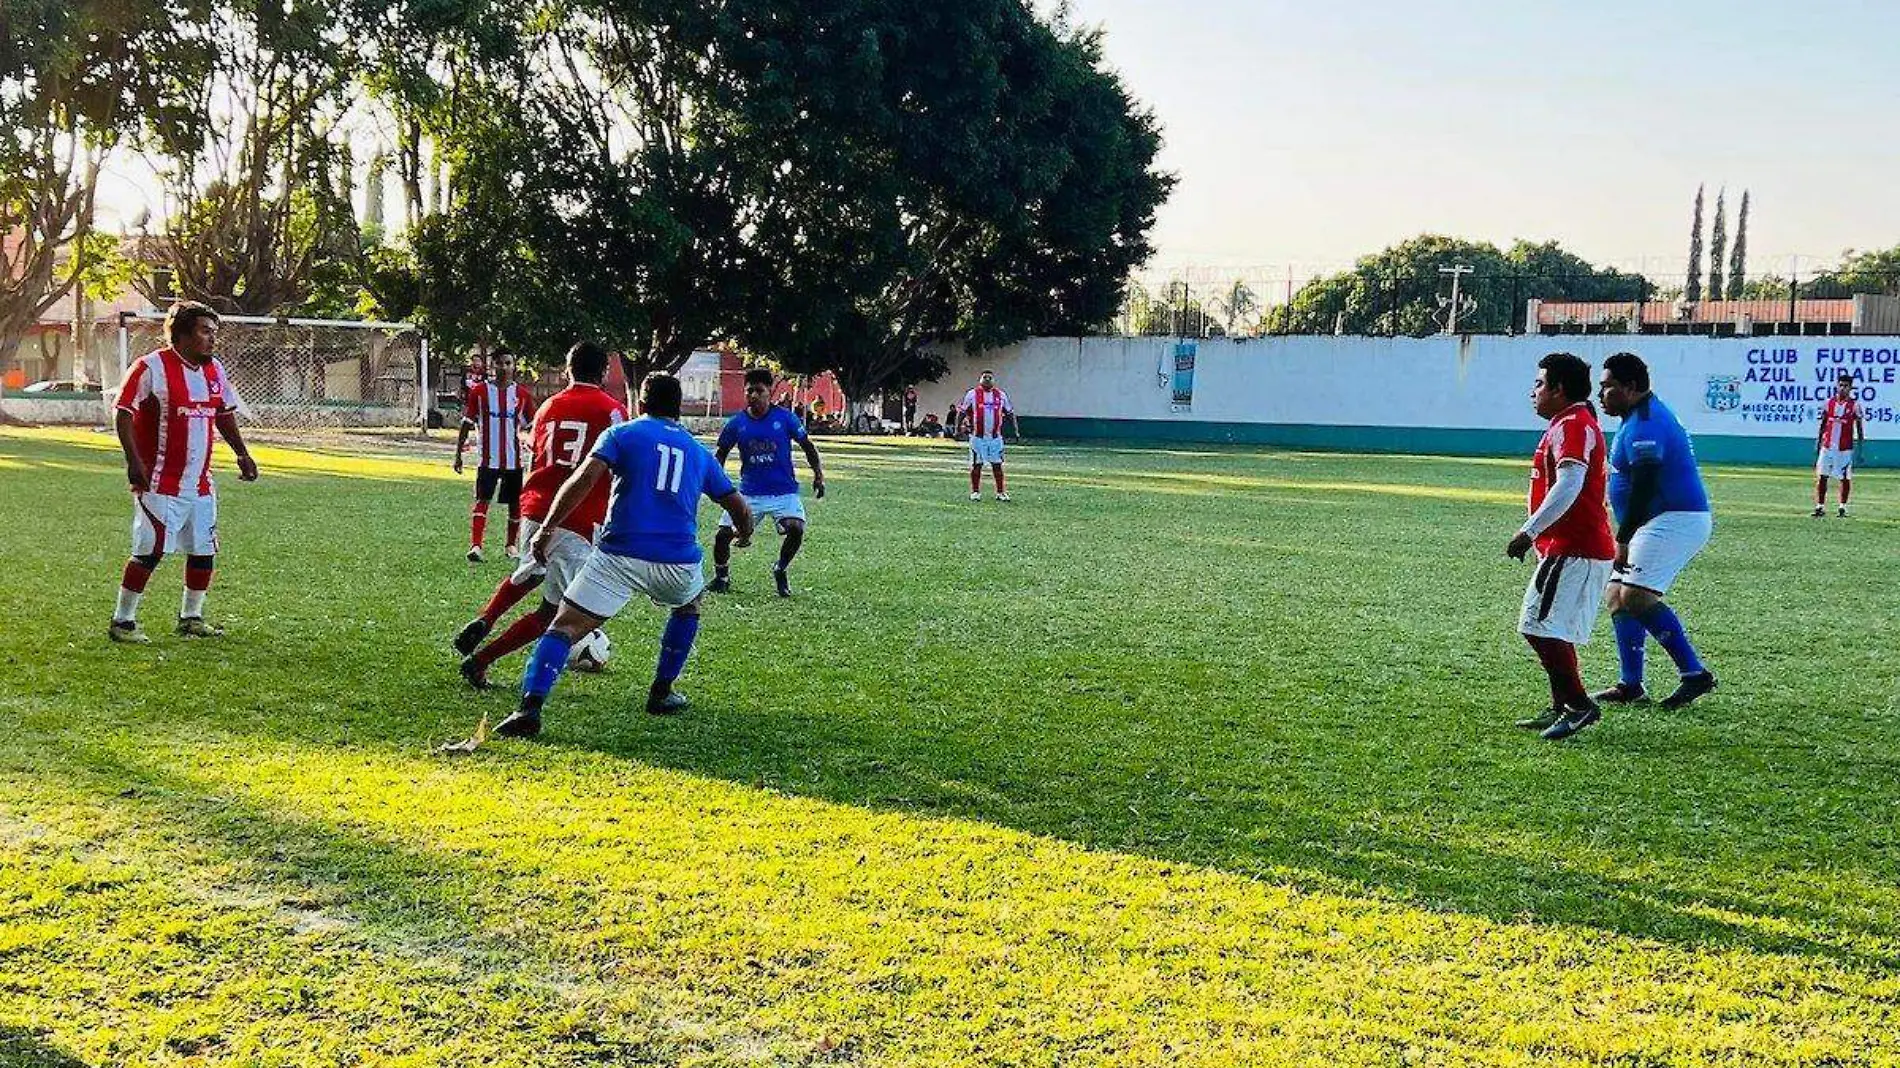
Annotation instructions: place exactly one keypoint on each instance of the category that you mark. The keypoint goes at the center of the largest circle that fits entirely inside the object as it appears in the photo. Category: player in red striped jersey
(168, 404)
(982, 410)
(1841, 431)
(565, 430)
(499, 407)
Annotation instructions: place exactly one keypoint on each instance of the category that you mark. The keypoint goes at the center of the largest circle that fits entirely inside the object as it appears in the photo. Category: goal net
(299, 374)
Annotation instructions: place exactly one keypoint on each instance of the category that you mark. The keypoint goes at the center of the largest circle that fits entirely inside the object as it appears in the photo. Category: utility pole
(1457, 275)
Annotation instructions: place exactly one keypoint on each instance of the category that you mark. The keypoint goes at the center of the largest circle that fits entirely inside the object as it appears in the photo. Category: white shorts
(986, 450)
(1662, 547)
(608, 581)
(1563, 597)
(566, 556)
(783, 507)
(1835, 463)
(162, 524)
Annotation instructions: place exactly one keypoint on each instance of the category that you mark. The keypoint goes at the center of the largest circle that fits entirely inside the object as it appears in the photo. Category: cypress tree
(1718, 246)
(1692, 292)
(1738, 256)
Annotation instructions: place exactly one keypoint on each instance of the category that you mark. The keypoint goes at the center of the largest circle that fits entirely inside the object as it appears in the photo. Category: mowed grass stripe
(1112, 776)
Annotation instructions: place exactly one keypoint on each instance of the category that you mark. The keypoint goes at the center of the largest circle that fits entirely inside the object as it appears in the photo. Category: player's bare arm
(741, 513)
(571, 494)
(228, 429)
(135, 474)
(817, 468)
(461, 442)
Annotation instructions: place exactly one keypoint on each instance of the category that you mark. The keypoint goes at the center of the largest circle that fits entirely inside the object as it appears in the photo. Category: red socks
(1560, 663)
(976, 480)
(514, 525)
(506, 596)
(520, 634)
(477, 524)
(197, 578)
(1847, 490)
(997, 469)
(136, 576)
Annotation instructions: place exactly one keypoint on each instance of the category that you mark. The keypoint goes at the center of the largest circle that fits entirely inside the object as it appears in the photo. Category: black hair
(587, 362)
(1843, 377)
(661, 395)
(1568, 372)
(183, 316)
(760, 376)
(1629, 369)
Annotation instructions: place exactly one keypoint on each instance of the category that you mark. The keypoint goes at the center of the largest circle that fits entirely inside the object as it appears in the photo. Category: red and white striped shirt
(174, 405)
(987, 407)
(1837, 424)
(499, 411)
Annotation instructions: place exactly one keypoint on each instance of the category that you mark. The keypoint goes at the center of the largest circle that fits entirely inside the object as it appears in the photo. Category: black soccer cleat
(1692, 687)
(670, 705)
(524, 723)
(783, 581)
(719, 584)
(469, 638)
(1621, 694)
(1540, 721)
(1574, 720)
(475, 672)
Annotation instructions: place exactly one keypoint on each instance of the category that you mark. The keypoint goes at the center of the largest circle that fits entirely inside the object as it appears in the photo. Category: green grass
(1186, 758)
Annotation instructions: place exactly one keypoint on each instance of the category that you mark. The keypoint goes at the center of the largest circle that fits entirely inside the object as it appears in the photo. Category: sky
(1310, 133)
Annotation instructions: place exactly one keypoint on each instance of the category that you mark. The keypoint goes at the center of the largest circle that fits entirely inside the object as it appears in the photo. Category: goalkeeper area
(1188, 757)
(308, 374)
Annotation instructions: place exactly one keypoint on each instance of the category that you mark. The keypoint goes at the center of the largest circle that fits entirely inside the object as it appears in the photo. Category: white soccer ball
(591, 652)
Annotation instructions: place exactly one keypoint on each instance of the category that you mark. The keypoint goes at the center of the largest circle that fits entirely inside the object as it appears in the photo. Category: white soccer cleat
(1004, 497)
(975, 496)
(513, 553)
(475, 554)
(1843, 512)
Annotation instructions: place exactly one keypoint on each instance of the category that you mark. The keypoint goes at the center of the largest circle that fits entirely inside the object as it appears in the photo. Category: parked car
(57, 386)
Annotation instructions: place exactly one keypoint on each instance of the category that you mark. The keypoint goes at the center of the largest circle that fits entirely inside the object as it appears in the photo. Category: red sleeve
(137, 387)
(1574, 441)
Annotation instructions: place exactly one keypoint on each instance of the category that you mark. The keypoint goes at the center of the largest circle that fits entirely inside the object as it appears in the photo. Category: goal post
(299, 374)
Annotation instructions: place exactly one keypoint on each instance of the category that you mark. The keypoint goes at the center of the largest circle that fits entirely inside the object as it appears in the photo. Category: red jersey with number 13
(1574, 436)
(565, 430)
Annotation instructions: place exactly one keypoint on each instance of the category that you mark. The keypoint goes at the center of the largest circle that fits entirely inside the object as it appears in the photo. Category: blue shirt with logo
(1652, 435)
(660, 472)
(765, 451)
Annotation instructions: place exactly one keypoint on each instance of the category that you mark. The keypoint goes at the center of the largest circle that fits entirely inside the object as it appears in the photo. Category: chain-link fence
(1372, 300)
(304, 374)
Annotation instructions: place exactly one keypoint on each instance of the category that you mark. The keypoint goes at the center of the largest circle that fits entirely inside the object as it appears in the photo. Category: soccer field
(1184, 758)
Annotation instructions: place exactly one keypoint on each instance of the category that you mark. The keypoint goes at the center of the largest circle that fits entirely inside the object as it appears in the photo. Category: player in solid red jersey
(565, 429)
(1841, 431)
(1569, 526)
(499, 407)
(167, 407)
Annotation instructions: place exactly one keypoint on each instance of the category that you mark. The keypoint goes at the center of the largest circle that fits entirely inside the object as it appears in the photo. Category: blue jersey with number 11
(660, 472)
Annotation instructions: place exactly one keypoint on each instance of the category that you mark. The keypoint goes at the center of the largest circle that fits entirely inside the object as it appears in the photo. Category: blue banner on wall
(1184, 353)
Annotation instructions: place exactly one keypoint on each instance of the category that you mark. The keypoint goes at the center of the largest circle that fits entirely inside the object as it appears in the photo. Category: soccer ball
(591, 653)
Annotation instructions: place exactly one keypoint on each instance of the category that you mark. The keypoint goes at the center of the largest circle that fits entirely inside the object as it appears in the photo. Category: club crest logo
(1724, 393)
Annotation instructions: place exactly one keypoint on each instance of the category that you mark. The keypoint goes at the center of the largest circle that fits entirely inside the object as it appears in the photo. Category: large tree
(78, 78)
(1692, 287)
(1718, 246)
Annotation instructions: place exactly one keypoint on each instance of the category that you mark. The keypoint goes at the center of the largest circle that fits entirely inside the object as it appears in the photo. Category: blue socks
(1662, 624)
(1631, 637)
(545, 664)
(676, 644)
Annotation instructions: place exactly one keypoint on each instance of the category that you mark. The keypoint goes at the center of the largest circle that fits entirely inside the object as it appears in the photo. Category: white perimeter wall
(1764, 387)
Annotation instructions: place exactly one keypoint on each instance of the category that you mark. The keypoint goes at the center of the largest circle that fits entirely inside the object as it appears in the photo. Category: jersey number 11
(672, 466)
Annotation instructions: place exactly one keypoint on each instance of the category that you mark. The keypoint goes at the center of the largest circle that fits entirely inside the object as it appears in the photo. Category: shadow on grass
(20, 1048)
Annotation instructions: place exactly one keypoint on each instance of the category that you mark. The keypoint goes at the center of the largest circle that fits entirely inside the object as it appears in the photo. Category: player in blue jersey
(764, 435)
(1663, 521)
(649, 546)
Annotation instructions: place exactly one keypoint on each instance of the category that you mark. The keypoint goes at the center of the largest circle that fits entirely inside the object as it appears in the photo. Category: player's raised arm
(571, 494)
